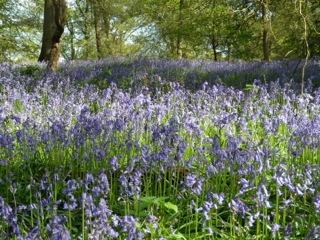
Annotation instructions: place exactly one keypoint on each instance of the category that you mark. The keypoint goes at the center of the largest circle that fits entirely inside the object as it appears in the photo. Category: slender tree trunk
(84, 12)
(70, 27)
(96, 20)
(86, 41)
(214, 47)
(73, 51)
(265, 41)
(214, 42)
(179, 49)
(106, 20)
(179, 36)
(53, 27)
(172, 46)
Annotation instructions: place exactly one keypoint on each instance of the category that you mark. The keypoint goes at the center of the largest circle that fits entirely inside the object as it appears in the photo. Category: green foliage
(29, 70)
(219, 30)
(101, 79)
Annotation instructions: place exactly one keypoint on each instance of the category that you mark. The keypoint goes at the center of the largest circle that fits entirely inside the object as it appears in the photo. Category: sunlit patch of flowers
(84, 156)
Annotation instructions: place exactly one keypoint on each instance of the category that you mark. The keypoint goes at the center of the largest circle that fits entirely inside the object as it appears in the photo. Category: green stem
(83, 227)
(197, 217)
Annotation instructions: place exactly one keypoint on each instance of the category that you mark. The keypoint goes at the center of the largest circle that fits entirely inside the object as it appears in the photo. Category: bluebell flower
(100, 225)
(33, 234)
(237, 206)
(245, 185)
(194, 183)
(316, 203)
(71, 204)
(56, 230)
(3, 162)
(151, 218)
(13, 188)
(287, 231)
(262, 196)
(209, 231)
(87, 200)
(32, 206)
(274, 229)
(113, 163)
(314, 234)
(9, 217)
(128, 225)
(88, 180)
(286, 203)
(152, 221)
(70, 186)
(103, 182)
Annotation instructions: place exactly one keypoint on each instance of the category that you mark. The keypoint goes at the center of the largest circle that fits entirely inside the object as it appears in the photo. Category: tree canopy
(211, 29)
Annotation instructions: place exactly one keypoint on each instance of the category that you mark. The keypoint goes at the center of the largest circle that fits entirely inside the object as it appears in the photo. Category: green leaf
(177, 236)
(160, 200)
(147, 199)
(248, 87)
(171, 206)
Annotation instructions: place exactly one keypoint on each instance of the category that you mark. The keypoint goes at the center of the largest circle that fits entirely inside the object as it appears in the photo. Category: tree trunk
(179, 36)
(53, 27)
(84, 15)
(265, 41)
(214, 47)
(73, 51)
(96, 20)
(106, 12)
(70, 27)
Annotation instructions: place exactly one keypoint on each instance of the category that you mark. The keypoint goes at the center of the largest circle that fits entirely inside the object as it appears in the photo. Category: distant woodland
(202, 29)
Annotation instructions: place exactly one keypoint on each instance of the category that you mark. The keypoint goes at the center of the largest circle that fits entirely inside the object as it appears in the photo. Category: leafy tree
(217, 29)
(19, 30)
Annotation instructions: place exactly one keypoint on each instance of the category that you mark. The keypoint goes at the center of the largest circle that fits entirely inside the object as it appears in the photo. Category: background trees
(216, 29)
(20, 29)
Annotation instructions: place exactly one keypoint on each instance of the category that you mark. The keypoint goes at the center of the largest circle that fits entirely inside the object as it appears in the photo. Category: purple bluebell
(88, 181)
(217, 199)
(314, 234)
(153, 221)
(274, 229)
(128, 225)
(101, 225)
(56, 230)
(263, 196)
(251, 221)
(113, 163)
(238, 207)
(3, 162)
(103, 182)
(194, 183)
(245, 185)
(206, 207)
(285, 203)
(71, 203)
(33, 234)
(316, 203)
(70, 186)
(288, 231)
(8, 216)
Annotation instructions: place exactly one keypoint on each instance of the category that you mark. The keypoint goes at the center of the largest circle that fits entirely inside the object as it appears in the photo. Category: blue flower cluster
(99, 151)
